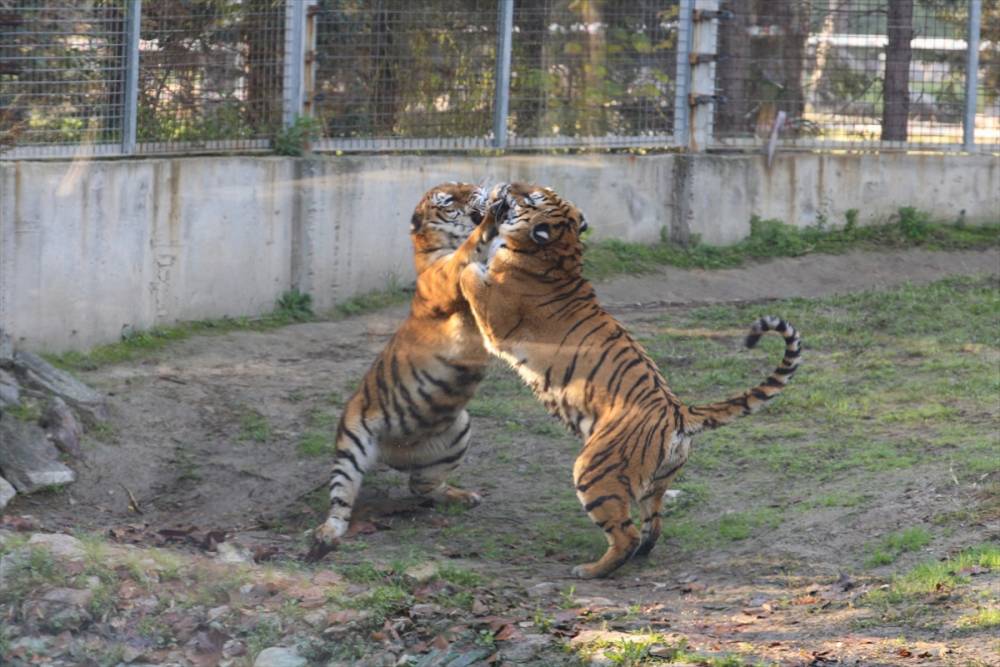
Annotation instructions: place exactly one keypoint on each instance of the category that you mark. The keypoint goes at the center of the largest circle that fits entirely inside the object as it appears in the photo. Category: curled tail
(703, 417)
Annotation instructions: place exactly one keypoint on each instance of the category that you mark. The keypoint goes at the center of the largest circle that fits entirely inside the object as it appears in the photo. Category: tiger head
(443, 219)
(536, 229)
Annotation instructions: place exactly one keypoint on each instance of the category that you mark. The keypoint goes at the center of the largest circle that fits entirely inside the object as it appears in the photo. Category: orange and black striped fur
(537, 312)
(410, 408)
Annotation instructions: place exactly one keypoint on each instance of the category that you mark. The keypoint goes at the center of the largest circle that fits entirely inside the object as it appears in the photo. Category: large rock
(65, 547)
(59, 610)
(10, 391)
(40, 373)
(7, 493)
(6, 350)
(27, 459)
(62, 427)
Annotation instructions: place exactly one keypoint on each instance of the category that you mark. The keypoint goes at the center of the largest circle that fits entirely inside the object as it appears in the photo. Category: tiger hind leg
(357, 451)
(650, 506)
(437, 458)
(607, 503)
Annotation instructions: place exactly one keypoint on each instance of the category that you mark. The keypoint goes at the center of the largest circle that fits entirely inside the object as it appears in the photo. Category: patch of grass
(27, 410)
(295, 306)
(936, 576)
(392, 295)
(773, 238)
(291, 308)
(383, 601)
(264, 634)
(739, 525)
(895, 544)
(254, 426)
(315, 443)
(981, 620)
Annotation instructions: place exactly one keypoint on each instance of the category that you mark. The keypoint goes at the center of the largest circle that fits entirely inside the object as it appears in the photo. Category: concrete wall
(88, 248)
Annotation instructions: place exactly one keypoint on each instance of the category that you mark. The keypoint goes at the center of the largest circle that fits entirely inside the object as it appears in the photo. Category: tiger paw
(467, 498)
(586, 571)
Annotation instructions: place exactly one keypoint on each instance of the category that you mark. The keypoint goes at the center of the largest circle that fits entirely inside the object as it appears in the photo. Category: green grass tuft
(773, 238)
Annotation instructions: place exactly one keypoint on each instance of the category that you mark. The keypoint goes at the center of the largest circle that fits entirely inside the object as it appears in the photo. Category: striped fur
(410, 408)
(537, 312)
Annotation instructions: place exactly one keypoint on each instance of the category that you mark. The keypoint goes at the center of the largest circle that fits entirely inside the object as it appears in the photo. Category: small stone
(526, 649)
(215, 613)
(422, 573)
(59, 545)
(316, 618)
(277, 656)
(543, 589)
(230, 552)
(7, 493)
(234, 648)
(418, 610)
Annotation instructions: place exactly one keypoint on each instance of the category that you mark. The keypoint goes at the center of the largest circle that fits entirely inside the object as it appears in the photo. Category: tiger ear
(415, 223)
(583, 225)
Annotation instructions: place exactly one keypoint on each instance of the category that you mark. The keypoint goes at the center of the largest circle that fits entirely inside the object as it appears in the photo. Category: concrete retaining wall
(90, 248)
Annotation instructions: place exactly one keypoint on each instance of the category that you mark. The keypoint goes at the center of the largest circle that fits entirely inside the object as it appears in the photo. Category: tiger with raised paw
(409, 410)
(537, 311)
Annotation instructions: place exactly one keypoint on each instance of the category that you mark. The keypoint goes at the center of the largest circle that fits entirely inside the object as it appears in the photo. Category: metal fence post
(294, 57)
(972, 76)
(682, 83)
(701, 98)
(130, 104)
(505, 32)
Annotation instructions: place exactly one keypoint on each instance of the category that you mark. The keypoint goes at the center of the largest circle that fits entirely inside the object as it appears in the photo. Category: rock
(424, 610)
(6, 350)
(233, 648)
(62, 427)
(422, 573)
(230, 552)
(45, 376)
(28, 460)
(541, 590)
(526, 649)
(60, 609)
(279, 657)
(10, 390)
(7, 493)
(61, 546)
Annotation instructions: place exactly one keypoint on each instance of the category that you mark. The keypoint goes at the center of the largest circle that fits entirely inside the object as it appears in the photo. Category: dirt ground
(208, 434)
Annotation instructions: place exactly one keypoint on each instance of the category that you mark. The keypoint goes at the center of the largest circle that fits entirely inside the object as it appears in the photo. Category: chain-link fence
(138, 77)
(852, 72)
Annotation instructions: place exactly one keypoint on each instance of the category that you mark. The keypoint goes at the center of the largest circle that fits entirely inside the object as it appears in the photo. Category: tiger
(409, 410)
(537, 312)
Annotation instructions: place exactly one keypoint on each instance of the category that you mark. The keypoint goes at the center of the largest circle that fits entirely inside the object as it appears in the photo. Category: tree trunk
(896, 91)
(734, 71)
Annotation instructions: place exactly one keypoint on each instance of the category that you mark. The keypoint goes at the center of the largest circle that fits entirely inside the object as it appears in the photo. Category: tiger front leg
(438, 458)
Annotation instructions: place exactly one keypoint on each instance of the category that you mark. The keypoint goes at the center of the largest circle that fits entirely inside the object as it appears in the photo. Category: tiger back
(537, 311)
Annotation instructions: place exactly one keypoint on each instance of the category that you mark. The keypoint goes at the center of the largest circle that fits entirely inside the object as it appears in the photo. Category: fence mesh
(593, 72)
(210, 70)
(395, 70)
(398, 74)
(62, 68)
(859, 71)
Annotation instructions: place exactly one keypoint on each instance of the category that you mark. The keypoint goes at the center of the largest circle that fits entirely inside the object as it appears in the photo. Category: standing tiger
(410, 408)
(537, 312)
